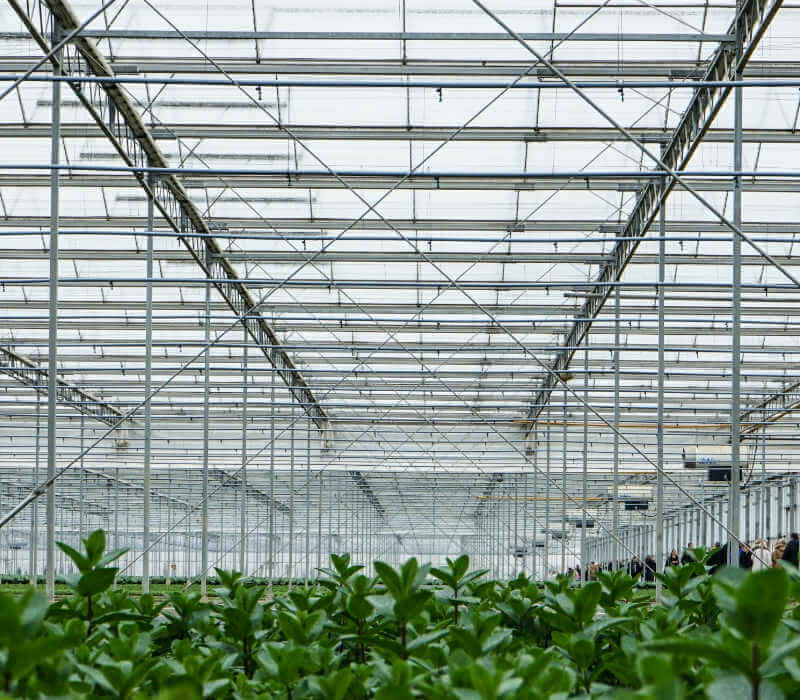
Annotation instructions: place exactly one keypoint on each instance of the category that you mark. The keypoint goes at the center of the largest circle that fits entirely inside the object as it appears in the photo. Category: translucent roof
(419, 209)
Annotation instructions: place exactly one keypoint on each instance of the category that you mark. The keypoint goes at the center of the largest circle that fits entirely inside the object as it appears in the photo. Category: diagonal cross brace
(123, 127)
(751, 21)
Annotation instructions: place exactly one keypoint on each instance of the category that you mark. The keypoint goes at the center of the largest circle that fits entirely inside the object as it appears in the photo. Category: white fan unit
(715, 458)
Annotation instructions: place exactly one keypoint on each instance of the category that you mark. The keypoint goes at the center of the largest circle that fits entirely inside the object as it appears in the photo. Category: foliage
(414, 632)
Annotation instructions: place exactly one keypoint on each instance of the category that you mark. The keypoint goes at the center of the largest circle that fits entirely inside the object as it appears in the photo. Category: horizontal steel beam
(137, 64)
(415, 132)
(350, 349)
(244, 35)
(632, 313)
(353, 256)
(316, 224)
(427, 181)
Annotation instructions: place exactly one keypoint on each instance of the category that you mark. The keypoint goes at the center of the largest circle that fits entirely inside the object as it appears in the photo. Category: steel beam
(132, 65)
(304, 228)
(782, 403)
(123, 127)
(240, 35)
(750, 23)
(27, 372)
(338, 132)
(197, 184)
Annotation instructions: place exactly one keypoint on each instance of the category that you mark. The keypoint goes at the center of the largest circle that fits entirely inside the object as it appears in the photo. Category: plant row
(412, 632)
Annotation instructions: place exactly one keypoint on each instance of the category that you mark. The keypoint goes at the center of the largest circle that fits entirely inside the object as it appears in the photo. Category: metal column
(525, 538)
(546, 567)
(615, 500)
(736, 307)
(148, 382)
(52, 350)
(308, 501)
(206, 387)
(585, 474)
(534, 567)
(564, 488)
(765, 489)
(290, 567)
(270, 543)
(660, 417)
(319, 523)
(747, 508)
(243, 475)
(34, 553)
(81, 505)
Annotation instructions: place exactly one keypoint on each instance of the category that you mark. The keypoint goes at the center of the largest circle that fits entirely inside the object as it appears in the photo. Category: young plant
(752, 650)
(457, 578)
(408, 598)
(95, 576)
(242, 615)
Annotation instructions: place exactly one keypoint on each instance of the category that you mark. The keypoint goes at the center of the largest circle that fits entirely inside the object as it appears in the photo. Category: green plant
(410, 632)
(456, 578)
(95, 576)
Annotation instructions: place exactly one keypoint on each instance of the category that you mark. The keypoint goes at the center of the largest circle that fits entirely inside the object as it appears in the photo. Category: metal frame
(426, 393)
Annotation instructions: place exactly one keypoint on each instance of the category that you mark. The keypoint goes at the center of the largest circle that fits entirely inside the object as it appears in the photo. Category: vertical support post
(703, 537)
(525, 539)
(116, 510)
(736, 308)
(546, 564)
(747, 508)
(243, 475)
(534, 567)
(564, 487)
(34, 553)
(290, 568)
(81, 505)
(148, 387)
(52, 326)
(506, 533)
(615, 501)
(270, 543)
(662, 232)
(319, 522)
(206, 387)
(585, 475)
(765, 489)
(308, 500)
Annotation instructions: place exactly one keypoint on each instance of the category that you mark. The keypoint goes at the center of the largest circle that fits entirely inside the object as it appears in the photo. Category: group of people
(755, 557)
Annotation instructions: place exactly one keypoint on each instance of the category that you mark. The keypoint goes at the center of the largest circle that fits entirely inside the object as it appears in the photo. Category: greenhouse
(396, 279)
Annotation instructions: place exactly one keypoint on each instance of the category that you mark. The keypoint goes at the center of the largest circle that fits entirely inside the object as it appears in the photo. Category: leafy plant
(456, 578)
(410, 632)
(95, 576)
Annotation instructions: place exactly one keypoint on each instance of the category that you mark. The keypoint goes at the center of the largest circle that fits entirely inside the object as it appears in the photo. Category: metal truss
(234, 481)
(782, 403)
(123, 127)
(30, 374)
(750, 23)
